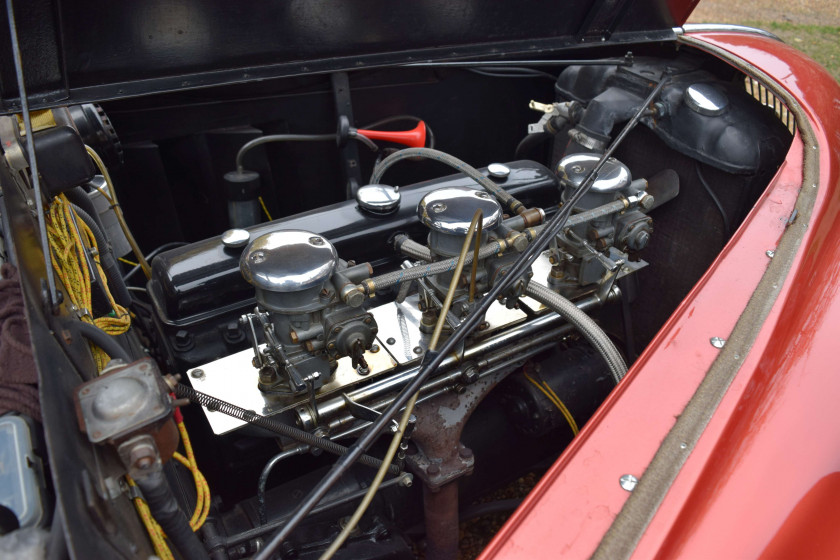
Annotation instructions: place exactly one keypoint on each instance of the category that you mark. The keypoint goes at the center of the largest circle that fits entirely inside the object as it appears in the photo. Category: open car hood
(94, 50)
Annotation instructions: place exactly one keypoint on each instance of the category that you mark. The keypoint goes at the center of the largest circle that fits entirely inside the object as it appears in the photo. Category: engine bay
(370, 331)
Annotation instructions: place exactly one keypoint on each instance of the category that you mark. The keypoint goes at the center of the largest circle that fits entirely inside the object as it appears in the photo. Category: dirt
(800, 12)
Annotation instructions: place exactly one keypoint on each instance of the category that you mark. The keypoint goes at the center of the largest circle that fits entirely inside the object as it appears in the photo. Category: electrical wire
(202, 505)
(111, 197)
(126, 261)
(716, 200)
(295, 138)
(69, 240)
(546, 390)
(409, 407)
(152, 528)
(519, 266)
(153, 253)
(262, 203)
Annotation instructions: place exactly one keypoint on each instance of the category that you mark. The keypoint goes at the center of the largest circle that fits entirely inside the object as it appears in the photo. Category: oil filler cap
(380, 200)
(705, 99)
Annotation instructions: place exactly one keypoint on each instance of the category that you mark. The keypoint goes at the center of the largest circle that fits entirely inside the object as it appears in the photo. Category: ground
(812, 26)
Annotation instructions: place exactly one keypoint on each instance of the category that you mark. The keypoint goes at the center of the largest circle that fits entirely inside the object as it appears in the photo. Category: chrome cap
(498, 170)
(235, 238)
(288, 261)
(612, 177)
(705, 99)
(451, 209)
(378, 199)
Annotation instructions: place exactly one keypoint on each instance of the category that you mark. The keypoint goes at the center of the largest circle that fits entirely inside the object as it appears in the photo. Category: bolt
(182, 338)
(433, 470)
(438, 207)
(362, 370)
(770, 253)
(390, 341)
(197, 374)
(258, 257)
(367, 320)
(418, 350)
(315, 240)
(683, 445)
(484, 326)
(628, 482)
(309, 346)
(374, 349)
(465, 453)
(717, 341)
(293, 335)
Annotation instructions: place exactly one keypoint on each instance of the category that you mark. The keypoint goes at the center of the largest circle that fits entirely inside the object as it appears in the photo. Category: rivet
(628, 482)
(390, 341)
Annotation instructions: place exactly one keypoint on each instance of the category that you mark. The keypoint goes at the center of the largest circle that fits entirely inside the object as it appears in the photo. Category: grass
(820, 42)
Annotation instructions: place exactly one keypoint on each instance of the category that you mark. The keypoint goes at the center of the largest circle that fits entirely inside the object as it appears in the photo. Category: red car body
(760, 478)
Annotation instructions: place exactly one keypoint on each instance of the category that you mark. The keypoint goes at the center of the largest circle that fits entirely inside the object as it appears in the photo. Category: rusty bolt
(484, 326)
(465, 453)
(433, 470)
(67, 336)
(367, 320)
(331, 346)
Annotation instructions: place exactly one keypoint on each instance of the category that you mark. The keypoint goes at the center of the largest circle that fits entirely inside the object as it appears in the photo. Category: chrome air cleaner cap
(613, 176)
(288, 261)
(450, 210)
(705, 99)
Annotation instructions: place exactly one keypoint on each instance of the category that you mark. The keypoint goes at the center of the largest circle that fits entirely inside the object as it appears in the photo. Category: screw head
(315, 240)
(628, 482)
(374, 348)
(418, 350)
(717, 341)
(770, 253)
(197, 374)
(258, 257)
(390, 341)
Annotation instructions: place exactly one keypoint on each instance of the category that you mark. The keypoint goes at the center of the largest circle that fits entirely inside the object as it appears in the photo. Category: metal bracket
(348, 151)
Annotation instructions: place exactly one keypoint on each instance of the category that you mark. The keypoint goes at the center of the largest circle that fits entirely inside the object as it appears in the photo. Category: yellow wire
(155, 531)
(267, 215)
(202, 505)
(126, 261)
(69, 239)
(555, 400)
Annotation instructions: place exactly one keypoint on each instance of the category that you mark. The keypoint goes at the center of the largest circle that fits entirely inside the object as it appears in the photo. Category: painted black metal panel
(87, 50)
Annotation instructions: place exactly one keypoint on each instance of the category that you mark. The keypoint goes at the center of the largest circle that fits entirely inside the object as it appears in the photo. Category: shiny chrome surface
(288, 261)
(451, 209)
(613, 176)
(378, 199)
(498, 170)
(235, 238)
(724, 27)
(705, 99)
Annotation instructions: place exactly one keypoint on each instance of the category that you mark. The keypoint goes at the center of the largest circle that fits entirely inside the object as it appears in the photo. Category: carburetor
(592, 252)
(309, 311)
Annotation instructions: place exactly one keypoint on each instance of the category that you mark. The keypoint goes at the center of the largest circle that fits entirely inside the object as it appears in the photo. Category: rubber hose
(79, 197)
(104, 340)
(583, 323)
(530, 142)
(106, 258)
(503, 197)
(173, 521)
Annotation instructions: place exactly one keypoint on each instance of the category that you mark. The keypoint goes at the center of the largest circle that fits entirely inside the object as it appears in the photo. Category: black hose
(106, 258)
(165, 510)
(726, 228)
(530, 142)
(79, 197)
(301, 436)
(104, 340)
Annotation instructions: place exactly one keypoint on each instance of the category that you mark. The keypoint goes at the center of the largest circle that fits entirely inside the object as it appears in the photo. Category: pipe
(104, 340)
(503, 197)
(267, 471)
(273, 425)
(584, 323)
(166, 512)
(440, 511)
